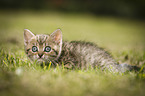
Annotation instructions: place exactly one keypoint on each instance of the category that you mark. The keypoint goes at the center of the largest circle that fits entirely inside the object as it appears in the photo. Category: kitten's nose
(40, 55)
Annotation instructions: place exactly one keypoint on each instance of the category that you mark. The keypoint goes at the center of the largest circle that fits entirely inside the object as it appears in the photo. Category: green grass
(20, 77)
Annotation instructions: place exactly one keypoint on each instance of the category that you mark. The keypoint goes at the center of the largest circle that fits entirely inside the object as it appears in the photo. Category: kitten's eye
(34, 49)
(47, 49)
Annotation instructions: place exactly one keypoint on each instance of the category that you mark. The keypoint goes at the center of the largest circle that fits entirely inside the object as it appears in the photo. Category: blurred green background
(116, 25)
(110, 23)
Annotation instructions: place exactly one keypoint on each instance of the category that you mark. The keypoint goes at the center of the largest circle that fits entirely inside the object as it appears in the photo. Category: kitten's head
(43, 48)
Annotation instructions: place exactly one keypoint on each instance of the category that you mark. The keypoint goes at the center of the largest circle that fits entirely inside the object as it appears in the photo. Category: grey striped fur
(75, 54)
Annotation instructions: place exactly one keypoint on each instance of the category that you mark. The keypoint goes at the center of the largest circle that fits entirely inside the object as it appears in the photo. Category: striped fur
(75, 54)
(41, 41)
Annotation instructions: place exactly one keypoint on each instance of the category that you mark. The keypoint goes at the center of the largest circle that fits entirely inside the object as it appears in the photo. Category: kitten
(75, 54)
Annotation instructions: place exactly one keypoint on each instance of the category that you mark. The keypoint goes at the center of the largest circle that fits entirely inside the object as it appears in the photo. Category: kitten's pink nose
(40, 55)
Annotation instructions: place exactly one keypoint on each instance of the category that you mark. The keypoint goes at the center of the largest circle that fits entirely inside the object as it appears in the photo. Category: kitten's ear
(27, 35)
(57, 36)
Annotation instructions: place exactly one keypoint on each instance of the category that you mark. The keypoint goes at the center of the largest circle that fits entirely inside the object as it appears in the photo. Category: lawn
(123, 38)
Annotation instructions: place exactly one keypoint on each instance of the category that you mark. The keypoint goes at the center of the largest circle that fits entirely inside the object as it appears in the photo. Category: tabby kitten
(76, 54)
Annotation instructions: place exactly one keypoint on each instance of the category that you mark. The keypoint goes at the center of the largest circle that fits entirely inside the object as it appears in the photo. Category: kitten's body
(82, 54)
(75, 54)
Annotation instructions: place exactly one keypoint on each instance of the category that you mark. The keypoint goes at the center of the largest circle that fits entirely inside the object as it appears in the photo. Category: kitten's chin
(40, 61)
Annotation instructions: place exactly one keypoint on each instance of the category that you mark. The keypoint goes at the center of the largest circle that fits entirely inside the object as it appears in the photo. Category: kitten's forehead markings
(41, 39)
(37, 38)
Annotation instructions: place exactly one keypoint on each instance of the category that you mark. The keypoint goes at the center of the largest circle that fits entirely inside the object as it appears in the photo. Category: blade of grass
(49, 66)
